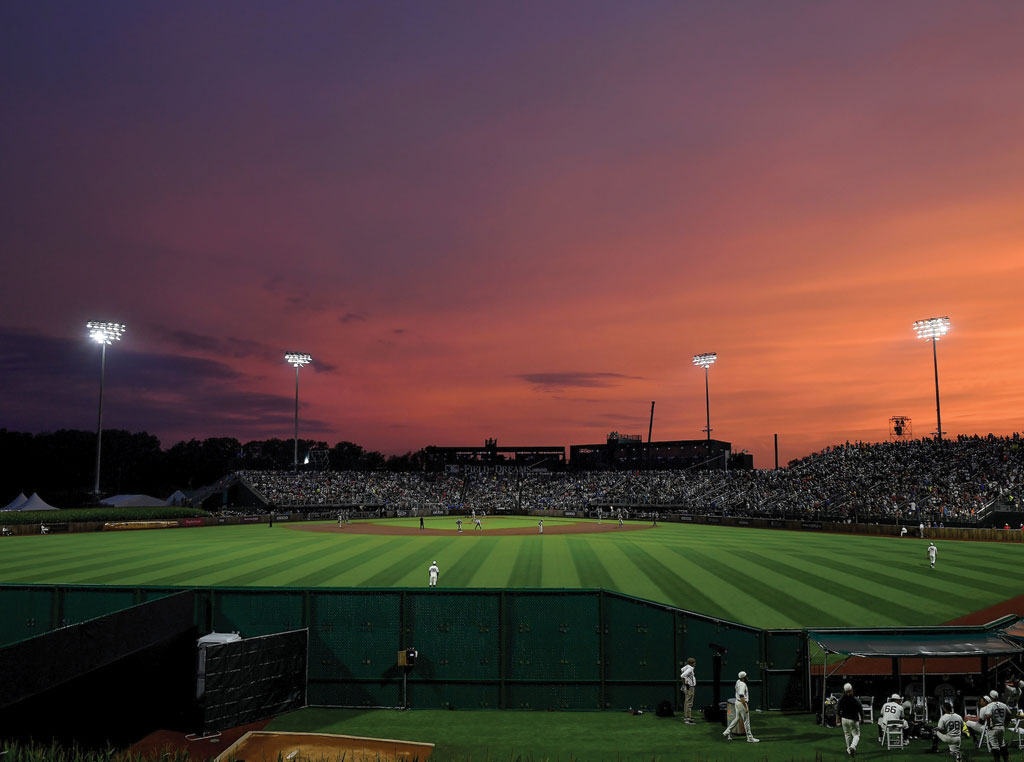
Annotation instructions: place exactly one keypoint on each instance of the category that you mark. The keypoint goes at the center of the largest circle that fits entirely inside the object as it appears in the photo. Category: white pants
(433, 580)
(996, 736)
(953, 741)
(851, 729)
(742, 715)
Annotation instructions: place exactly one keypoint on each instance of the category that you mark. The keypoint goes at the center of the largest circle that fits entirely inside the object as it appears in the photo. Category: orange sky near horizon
(516, 221)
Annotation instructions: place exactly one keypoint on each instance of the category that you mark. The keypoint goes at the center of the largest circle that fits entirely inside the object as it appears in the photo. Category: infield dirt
(467, 529)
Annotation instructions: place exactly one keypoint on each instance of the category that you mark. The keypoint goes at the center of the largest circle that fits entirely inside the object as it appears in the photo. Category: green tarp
(930, 644)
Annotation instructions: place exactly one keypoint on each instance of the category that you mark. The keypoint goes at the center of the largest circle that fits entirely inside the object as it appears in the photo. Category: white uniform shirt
(688, 676)
(741, 692)
(433, 570)
(994, 714)
(932, 550)
(951, 724)
(891, 710)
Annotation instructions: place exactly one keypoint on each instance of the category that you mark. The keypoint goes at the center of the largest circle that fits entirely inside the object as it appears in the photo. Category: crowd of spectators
(911, 482)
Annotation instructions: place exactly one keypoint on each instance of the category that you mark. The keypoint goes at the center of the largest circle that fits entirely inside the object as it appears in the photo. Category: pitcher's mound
(267, 746)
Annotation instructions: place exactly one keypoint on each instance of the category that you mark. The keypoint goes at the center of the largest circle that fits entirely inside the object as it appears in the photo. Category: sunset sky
(515, 220)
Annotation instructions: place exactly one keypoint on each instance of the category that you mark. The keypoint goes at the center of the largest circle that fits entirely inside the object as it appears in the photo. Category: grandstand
(969, 481)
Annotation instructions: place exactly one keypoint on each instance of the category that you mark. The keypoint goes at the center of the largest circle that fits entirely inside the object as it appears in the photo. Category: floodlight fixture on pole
(705, 361)
(933, 329)
(102, 334)
(298, 359)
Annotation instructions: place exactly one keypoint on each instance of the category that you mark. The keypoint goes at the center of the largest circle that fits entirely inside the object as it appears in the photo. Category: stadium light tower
(705, 361)
(102, 334)
(298, 359)
(932, 330)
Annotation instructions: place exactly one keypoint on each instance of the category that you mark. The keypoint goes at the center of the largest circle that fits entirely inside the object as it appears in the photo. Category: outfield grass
(765, 578)
(598, 736)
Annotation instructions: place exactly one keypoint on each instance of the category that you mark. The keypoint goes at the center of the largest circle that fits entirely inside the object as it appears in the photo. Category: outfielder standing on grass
(850, 714)
(689, 677)
(932, 550)
(742, 710)
(433, 574)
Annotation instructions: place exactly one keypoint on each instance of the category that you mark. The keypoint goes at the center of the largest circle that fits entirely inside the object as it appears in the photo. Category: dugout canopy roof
(914, 644)
(1015, 631)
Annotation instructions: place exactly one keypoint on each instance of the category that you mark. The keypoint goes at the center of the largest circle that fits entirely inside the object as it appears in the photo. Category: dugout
(913, 653)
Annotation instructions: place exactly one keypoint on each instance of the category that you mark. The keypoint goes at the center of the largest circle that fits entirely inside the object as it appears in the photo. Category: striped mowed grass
(764, 578)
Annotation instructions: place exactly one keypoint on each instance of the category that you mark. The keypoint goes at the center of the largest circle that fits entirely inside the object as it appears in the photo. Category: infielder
(540, 527)
(932, 550)
(850, 714)
(742, 711)
(458, 523)
(689, 678)
(433, 570)
(620, 521)
(949, 731)
(476, 524)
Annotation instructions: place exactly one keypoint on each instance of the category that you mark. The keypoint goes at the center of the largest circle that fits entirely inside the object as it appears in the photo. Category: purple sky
(517, 220)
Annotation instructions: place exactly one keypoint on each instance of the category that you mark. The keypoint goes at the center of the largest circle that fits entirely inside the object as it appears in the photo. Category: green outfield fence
(478, 648)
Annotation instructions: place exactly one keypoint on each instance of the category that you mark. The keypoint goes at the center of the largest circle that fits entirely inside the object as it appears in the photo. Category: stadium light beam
(298, 359)
(705, 361)
(933, 329)
(102, 334)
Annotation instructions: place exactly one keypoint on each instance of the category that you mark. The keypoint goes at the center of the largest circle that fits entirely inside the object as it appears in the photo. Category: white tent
(13, 505)
(178, 498)
(132, 501)
(36, 503)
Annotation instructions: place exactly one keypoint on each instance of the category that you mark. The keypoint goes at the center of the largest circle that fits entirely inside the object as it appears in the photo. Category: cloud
(53, 383)
(228, 346)
(352, 317)
(555, 382)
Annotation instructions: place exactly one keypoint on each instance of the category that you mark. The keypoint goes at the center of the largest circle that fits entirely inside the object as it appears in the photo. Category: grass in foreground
(598, 736)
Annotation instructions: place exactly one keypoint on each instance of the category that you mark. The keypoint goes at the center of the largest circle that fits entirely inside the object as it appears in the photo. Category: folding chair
(867, 708)
(1017, 728)
(919, 708)
(892, 734)
(971, 706)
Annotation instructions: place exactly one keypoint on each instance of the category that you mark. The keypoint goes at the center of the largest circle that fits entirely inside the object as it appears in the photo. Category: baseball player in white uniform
(948, 731)
(995, 715)
(742, 710)
(932, 550)
(891, 711)
(433, 570)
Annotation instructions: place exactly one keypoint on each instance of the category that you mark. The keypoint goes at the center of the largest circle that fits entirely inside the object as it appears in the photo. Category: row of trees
(61, 465)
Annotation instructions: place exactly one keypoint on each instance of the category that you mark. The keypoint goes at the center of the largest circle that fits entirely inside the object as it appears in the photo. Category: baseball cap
(847, 688)
(894, 697)
(993, 694)
(741, 675)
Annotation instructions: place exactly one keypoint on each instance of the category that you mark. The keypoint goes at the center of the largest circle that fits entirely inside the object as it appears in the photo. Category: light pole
(705, 361)
(297, 359)
(102, 334)
(932, 330)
